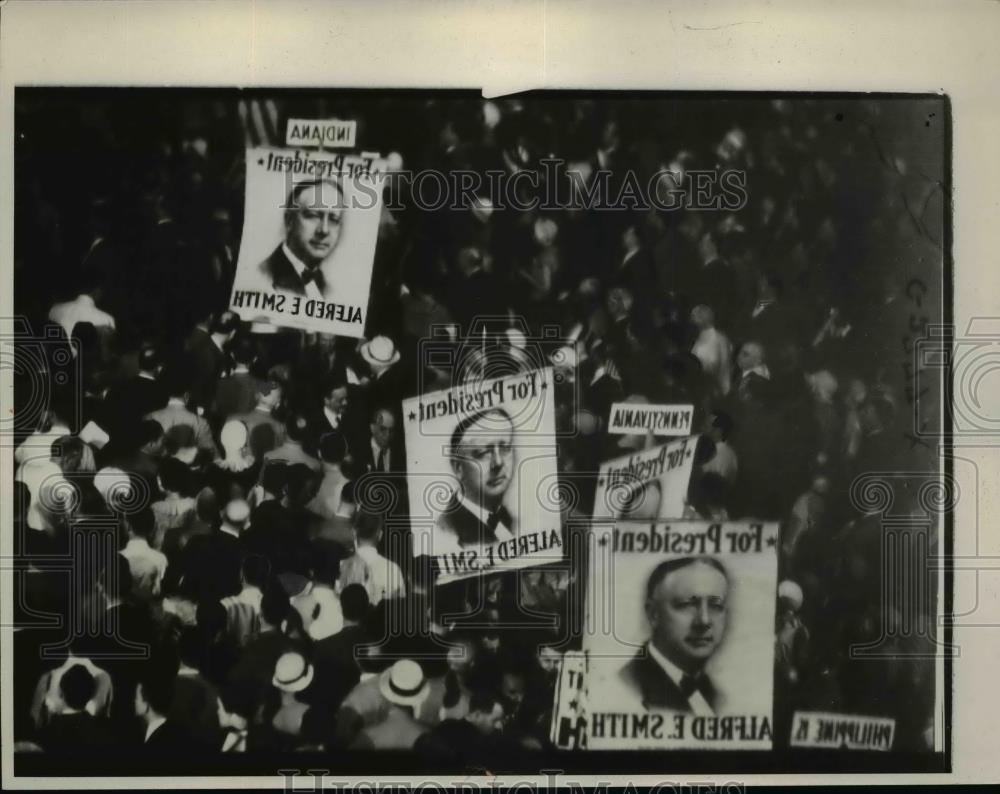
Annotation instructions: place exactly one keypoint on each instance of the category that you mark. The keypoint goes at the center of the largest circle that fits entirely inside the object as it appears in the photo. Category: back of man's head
(143, 523)
(77, 686)
(354, 602)
(255, 570)
(274, 605)
(274, 477)
(177, 379)
(175, 476)
(297, 427)
(367, 527)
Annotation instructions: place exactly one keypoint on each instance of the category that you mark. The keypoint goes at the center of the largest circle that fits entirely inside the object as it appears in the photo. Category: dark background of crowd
(794, 373)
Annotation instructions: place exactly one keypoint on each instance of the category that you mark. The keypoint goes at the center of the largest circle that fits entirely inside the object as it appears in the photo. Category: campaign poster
(831, 731)
(568, 730)
(310, 227)
(637, 419)
(647, 484)
(481, 475)
(680, 636)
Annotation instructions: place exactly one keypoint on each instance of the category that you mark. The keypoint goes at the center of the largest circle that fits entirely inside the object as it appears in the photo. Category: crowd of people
(211, 516)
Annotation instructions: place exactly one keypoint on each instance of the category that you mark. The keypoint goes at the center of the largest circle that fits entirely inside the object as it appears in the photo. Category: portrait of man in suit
(482, 458)
(313, 217)
(687, 610)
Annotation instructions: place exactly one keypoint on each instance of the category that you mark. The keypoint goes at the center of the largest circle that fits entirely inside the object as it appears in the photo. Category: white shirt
(312, 291)
(156, 723)
(332, 418)
(147, 566)
(79, 310)
(698, 703)
(715, 352)
(386, 579)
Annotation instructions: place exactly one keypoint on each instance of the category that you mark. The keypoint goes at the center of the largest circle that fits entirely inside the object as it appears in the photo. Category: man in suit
(74, 728)
(207, 357)
(313, 216)
(336, 657)
(381, 453)
(481, 454)
(212, 563)
(686, 606)
(153, 697)
(130, 400)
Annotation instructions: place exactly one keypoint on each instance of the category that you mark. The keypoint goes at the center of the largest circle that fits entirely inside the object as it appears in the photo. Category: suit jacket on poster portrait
(282, 274)
(657, 689)
(457, 524)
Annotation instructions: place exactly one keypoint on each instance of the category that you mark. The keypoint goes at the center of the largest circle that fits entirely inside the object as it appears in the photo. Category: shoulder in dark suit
(169, 736)
(130, 400)
(282, 273)
(75, 733)
(657, 689)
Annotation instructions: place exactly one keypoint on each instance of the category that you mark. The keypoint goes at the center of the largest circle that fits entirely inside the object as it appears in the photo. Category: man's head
(312, 220)
(751, 355)
(383, 427)
(686, 605)
(335, 395)
(512, 686)
(702, 317)
(482, 456)
(355, 603)
(368, 528)
(485, 712)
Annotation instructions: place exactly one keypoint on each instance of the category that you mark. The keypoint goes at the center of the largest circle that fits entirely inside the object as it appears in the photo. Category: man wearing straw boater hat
(404, 687)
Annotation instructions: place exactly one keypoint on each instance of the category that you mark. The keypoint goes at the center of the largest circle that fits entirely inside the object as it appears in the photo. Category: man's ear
(651, 616)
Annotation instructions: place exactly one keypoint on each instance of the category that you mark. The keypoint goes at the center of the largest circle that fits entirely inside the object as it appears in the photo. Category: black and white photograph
(317, 276)
(678, 643)
(428, 430)
(477, 454)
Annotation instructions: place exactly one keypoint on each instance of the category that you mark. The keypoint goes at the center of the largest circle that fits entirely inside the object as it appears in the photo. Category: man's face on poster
(312, 222)
(484, 460)
(688, 615)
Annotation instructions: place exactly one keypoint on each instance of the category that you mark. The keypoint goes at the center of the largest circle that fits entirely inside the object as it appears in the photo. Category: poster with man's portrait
(680, 635)
(481, 475)
(647, 484)
(310, 226)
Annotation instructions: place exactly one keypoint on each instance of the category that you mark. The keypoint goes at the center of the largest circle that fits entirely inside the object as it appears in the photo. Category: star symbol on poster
(771, 541)
(412, 416)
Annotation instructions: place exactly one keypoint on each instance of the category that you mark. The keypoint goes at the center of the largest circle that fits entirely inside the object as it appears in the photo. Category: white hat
(403, 683)
(380, 352)
(292, 673)
(321, 612)
(516, 338)
(790, 590)
(114, 485)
